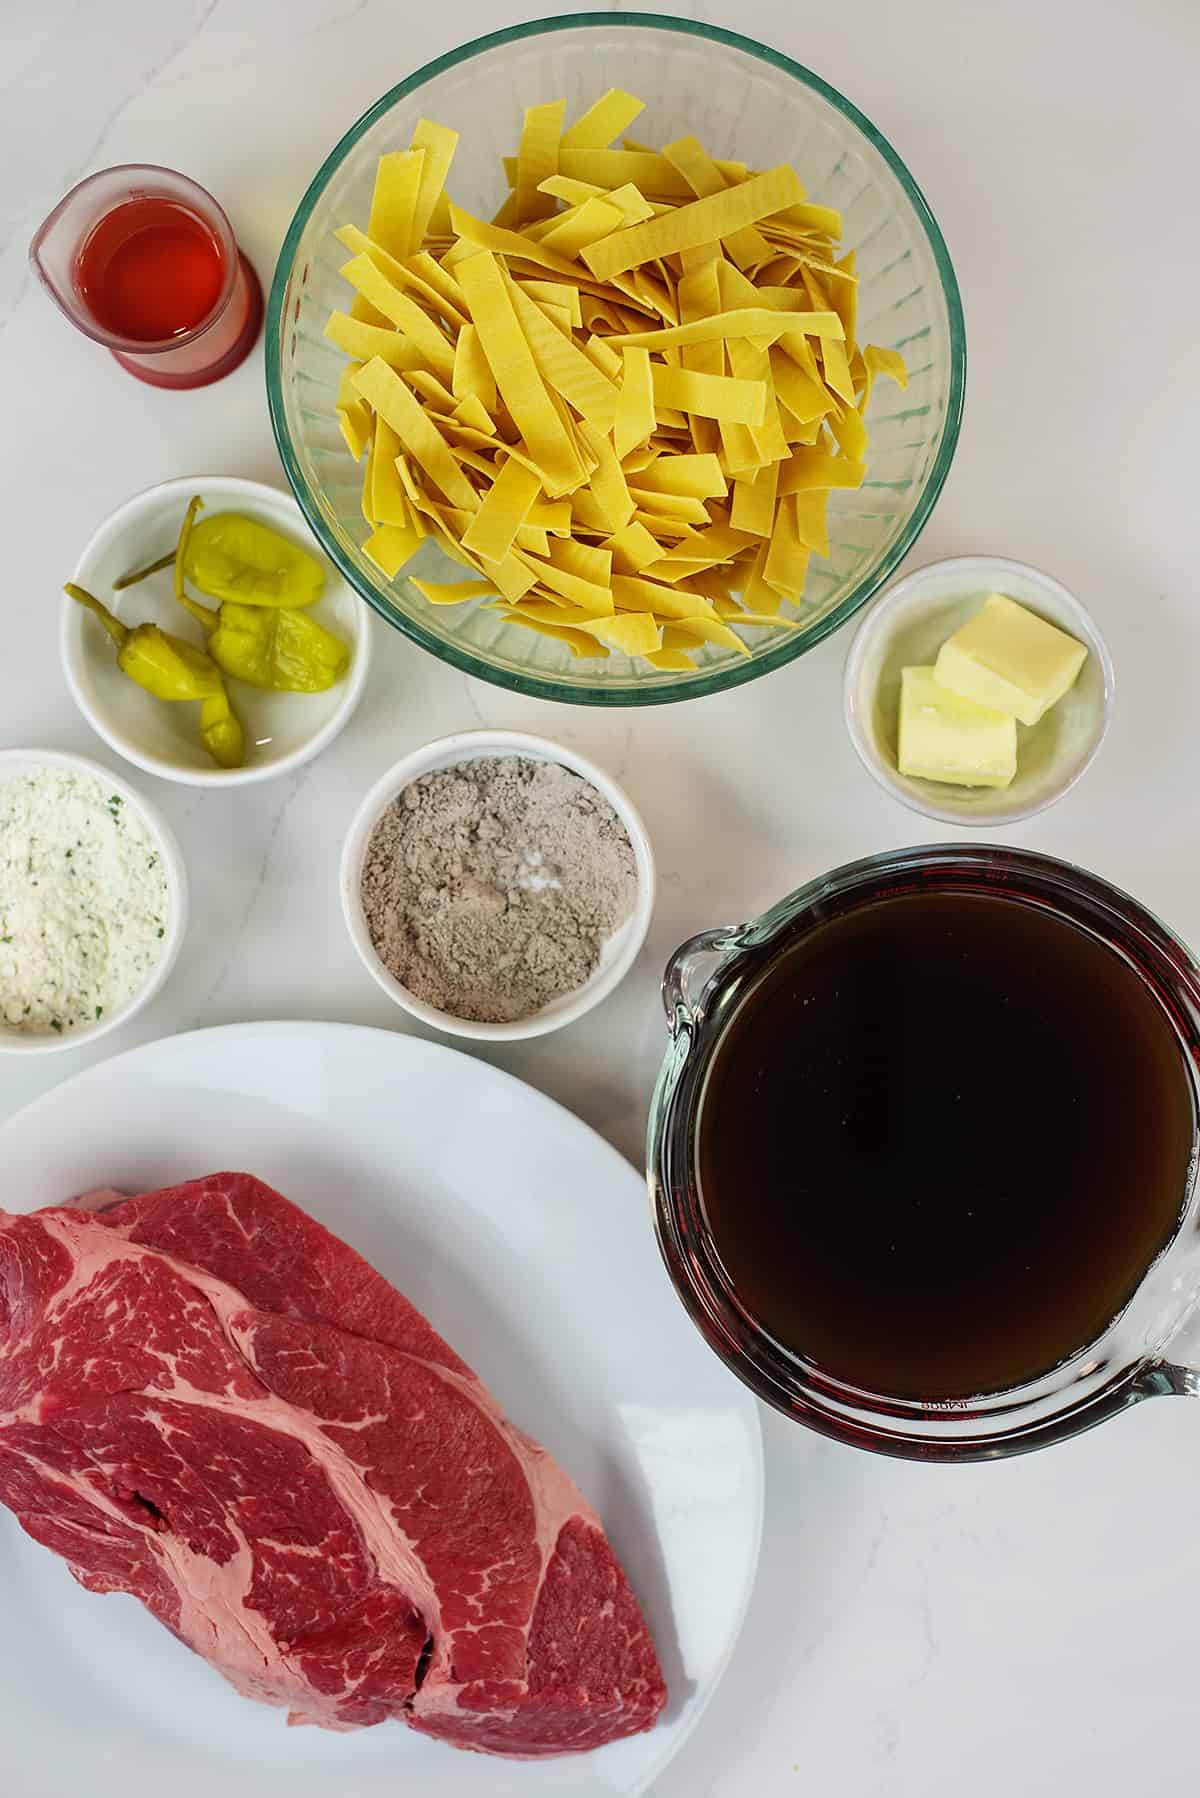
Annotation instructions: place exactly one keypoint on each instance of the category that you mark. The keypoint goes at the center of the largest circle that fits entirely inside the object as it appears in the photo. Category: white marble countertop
(916, 1631)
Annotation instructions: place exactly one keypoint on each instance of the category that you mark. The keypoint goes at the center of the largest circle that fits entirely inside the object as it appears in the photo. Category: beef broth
(941, 1141)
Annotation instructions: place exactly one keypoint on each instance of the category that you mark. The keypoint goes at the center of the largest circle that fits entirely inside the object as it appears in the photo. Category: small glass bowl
(769, 109)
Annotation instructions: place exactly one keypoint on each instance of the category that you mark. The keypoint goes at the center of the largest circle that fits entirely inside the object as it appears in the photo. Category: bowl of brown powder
(497, 885)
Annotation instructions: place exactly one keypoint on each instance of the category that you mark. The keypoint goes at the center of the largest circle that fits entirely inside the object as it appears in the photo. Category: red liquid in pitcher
(150, 270)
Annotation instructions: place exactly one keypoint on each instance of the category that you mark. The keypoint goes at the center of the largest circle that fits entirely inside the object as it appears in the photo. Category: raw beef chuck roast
(209, 1401)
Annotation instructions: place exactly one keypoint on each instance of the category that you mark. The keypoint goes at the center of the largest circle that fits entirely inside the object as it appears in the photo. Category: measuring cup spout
(692, 967)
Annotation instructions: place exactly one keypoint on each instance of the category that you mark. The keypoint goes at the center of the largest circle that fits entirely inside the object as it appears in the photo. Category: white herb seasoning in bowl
(908, 629)
(93, 901)
(283, 729)
(497, 885)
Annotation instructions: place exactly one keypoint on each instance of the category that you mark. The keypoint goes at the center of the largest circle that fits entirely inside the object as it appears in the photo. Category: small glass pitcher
(1142, 1353)
(216, 344)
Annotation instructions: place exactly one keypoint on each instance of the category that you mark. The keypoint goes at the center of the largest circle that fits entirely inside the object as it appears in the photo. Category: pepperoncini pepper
(236, 558)
(221, 731)
(281, 650)
(171, 669)
(164, 665)
(276, 647)
(220, 727)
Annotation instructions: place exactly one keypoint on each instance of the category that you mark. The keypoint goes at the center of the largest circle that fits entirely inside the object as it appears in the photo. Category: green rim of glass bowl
(747, 669)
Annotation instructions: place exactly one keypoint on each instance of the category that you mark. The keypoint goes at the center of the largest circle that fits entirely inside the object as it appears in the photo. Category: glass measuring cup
(206, 347)
(1144, 1351)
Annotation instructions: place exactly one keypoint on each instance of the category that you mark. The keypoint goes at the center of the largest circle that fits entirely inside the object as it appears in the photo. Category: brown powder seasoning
(489, 889)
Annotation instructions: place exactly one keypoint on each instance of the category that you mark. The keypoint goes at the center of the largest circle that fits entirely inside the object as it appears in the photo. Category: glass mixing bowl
(743, 100)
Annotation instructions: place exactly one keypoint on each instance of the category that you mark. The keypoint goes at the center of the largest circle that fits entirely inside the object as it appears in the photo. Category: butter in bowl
(978, 691)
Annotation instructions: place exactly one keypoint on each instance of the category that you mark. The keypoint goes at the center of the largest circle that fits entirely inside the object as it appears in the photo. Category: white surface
(479, 1227)
(618, 953)
(283, 730)
(909, 623)
(18, 765)
(1027, 1627)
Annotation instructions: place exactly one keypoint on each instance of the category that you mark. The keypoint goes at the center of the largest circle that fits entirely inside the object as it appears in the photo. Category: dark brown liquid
(941, 1142)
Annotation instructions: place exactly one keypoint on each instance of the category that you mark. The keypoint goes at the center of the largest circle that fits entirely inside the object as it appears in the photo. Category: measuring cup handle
(1174, 1371)
(1169, 1378)
(692, 967)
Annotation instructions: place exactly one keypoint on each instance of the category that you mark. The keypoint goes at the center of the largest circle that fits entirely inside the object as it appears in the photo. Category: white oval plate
(526, 1240)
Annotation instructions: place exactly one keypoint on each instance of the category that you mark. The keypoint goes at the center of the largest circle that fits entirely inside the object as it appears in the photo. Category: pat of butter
(1011, 659)
(946, 737)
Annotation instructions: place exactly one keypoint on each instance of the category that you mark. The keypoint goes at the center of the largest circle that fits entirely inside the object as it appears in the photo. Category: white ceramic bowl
(619, 953)
(909, 623)
(283, 730)
(17, 763)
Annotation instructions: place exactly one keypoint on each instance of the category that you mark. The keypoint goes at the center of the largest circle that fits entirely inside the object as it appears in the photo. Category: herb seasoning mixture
(83, 901)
